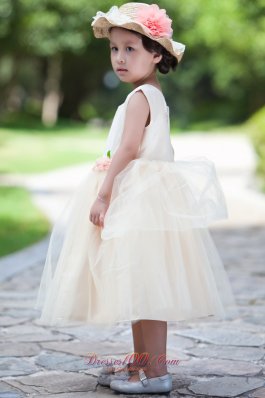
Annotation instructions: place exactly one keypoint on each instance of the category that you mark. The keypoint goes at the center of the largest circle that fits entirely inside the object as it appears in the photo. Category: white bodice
(156, 143)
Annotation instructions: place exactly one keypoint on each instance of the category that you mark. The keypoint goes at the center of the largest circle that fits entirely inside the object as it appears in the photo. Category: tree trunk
(9, 101)
(52, 96)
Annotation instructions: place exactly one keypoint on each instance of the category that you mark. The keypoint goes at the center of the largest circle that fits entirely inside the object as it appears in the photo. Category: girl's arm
(136, 118)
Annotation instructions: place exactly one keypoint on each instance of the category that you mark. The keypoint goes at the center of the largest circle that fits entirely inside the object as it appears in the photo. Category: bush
(256, 126)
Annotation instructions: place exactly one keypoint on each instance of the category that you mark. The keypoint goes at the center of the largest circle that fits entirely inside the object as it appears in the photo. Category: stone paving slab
(224, 387)
(19, 349)
(86, 348)
(228, 352)
(65, 395)
(9, 392)
(217, 359)
(54, 382)
(30, 333)
(259, 393)
(12, 366)
(224, 336)
(217, 367)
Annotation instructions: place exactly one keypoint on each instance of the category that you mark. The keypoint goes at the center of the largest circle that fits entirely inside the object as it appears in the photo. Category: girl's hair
(167, 61)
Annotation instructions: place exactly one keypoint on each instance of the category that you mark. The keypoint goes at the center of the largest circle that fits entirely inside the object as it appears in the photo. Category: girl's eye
(114, 49)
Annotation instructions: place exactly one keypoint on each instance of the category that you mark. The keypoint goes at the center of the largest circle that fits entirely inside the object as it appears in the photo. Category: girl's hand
(97, 213)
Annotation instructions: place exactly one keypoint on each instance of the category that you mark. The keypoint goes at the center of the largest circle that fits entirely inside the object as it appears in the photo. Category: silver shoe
(108, 374)
(160, 384)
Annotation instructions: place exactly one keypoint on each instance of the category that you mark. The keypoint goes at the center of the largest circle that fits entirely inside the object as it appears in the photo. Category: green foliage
(256, 125)
(221, 76)
(50, 27)
(224, 55)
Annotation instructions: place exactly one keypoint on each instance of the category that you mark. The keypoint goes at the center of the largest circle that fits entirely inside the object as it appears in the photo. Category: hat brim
(102, 25)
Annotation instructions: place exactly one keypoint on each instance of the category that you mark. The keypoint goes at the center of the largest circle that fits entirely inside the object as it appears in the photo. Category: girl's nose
(121, 58)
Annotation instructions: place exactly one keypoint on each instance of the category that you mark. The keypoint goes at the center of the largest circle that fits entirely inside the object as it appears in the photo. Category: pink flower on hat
(155, 20)
(102, 164)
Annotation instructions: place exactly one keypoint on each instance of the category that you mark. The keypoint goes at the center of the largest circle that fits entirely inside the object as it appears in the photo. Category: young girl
(133, 243)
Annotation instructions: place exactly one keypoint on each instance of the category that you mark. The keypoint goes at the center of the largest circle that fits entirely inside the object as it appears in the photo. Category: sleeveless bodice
(156, 143)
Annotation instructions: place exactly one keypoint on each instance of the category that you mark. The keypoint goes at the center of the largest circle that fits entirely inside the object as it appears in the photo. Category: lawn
(22, 224)
(38, 150)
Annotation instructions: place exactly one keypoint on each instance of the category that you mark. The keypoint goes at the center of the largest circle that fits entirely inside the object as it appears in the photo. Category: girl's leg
(138, 343)
(155, 341)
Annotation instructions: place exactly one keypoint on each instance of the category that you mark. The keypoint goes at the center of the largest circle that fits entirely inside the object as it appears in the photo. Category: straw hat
(149, 20)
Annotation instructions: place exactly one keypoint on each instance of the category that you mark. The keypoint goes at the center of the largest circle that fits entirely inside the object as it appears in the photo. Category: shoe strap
(143, 377)
(108, 370)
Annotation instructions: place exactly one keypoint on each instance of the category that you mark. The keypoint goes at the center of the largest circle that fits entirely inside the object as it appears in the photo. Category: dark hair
(167, 61)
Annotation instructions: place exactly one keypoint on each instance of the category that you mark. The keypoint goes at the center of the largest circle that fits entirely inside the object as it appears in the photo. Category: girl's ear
(157, 58)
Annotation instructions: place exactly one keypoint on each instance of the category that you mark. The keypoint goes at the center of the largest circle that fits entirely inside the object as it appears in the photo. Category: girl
(136, 246)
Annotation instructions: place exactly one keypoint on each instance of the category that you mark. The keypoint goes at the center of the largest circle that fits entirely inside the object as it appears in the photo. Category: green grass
(256, 128)
(22, 224)
(37, 149)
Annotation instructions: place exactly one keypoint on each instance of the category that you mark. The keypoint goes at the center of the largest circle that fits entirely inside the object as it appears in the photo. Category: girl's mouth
(122, 70)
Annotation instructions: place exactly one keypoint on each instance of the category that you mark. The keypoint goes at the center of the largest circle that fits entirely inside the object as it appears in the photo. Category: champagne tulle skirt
(154, 258)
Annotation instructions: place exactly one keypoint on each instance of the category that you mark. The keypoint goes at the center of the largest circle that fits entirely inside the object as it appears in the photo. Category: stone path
(217, 359)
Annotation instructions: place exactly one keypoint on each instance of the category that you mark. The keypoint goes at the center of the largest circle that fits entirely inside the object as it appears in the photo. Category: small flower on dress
(155, 20)
(102, 164)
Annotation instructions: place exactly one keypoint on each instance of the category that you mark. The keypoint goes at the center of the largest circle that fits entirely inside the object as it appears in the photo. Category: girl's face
(131, 62)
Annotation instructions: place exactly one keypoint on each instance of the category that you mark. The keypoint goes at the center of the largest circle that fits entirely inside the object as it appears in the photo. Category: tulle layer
(164, 196)
(154, 258)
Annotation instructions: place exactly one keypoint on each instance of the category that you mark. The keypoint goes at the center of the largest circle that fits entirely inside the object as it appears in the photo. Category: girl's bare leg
(138, 343)
(154, 335)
